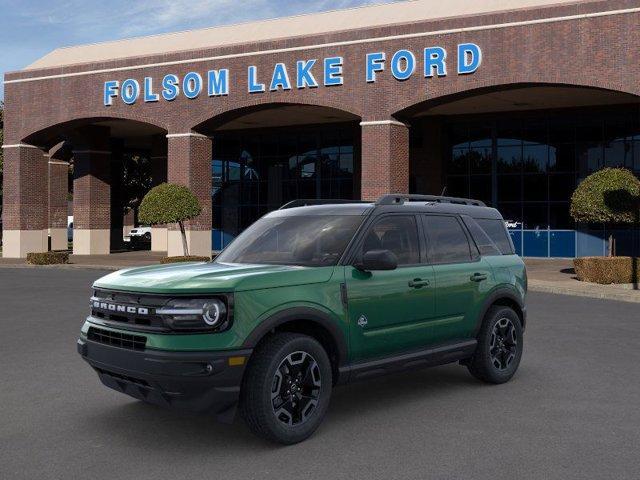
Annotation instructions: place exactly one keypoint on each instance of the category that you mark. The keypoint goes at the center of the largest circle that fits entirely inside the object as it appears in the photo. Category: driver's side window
(396, 233)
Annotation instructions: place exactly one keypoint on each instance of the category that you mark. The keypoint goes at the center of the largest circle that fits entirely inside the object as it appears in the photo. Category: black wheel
(499, 350)
(147, 236)
(286, 389)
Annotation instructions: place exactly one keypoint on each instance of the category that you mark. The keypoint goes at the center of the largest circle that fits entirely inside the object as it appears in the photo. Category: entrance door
(389, 310)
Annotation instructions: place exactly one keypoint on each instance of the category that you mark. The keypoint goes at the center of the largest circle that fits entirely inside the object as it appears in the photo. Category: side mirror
(377, 260)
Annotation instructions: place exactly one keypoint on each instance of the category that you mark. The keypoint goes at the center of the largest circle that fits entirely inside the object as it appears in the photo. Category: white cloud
(96, 21)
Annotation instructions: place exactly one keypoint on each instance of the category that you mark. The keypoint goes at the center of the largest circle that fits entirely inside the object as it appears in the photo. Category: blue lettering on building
(402, 66)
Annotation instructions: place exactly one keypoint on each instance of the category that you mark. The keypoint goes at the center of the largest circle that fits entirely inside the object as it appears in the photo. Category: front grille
(135, 311)
(117, 339)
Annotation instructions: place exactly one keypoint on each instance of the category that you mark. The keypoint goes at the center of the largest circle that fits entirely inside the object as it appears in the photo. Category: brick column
(24, 201)
(189, 164)
(385, 158)
(58, 190)
(92, 192)
(158, 176)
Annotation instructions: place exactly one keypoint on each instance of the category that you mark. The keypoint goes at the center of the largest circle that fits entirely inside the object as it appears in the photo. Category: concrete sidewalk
(552, 275)
(115, 261)
(545, 274)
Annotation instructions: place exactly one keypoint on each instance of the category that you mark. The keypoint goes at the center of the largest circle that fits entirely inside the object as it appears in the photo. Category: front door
(389, 310)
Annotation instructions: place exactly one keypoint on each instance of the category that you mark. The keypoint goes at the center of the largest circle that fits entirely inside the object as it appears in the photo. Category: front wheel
(286, 389)
(499, 350)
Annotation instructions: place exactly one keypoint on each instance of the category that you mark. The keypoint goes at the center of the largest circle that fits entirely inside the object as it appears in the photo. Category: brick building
(508, 101)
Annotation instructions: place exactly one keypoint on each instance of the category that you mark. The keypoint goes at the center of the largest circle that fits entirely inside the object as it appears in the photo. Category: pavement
(569, 413)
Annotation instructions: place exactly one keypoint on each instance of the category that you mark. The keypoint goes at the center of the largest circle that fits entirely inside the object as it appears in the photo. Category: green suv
(313, 295)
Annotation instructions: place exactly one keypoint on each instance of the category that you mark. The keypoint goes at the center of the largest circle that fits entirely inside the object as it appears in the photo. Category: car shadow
(136, 422)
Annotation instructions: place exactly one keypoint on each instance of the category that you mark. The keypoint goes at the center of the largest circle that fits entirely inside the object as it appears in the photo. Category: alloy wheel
(295, 389)
(504, 344)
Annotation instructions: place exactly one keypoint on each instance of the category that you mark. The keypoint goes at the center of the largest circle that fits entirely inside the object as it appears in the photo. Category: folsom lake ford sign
(310, 73)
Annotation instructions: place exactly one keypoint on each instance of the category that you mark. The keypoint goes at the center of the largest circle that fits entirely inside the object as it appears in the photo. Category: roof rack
(401, 198)
(317, 201)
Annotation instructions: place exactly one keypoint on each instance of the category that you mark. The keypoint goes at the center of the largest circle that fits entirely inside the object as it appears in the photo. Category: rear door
(389, 310)
(462, 276)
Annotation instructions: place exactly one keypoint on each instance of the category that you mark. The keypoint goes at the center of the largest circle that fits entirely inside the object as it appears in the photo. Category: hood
(211, 277)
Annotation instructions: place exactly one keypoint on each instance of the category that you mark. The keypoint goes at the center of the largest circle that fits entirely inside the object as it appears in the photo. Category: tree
(609, 196)
(170, 203)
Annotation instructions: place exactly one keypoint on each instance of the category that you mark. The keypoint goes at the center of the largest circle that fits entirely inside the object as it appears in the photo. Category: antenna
(444, 190)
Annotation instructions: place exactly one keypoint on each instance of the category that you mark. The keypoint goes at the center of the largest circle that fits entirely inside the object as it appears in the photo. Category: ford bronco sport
(310, 296)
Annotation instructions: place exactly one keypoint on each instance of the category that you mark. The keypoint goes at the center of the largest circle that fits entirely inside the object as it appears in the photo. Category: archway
(523, 149)
(266, 155)
(113, 163)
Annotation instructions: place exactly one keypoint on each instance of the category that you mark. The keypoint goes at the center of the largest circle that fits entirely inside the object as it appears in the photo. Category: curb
(550, 287)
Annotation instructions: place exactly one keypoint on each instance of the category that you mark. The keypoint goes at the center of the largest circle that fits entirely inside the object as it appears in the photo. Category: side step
(430, 357)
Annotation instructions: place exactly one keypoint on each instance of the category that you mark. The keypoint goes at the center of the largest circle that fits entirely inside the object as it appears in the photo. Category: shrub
(187, 258)
(170, 203)
(610, 195)
(606, 270)
(47, 258)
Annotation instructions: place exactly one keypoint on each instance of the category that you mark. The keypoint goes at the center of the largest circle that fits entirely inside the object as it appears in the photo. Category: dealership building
(512, 102)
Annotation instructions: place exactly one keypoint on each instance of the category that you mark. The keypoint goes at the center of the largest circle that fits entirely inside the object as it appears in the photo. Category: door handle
(478, 277)
(418, 283)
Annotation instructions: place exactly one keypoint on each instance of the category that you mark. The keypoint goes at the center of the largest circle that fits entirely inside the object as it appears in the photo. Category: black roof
(410, 203)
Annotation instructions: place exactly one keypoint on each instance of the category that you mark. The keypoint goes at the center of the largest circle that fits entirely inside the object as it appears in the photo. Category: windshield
(313, 240)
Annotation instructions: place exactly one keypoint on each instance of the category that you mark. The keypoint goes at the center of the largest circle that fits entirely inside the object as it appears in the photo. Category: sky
(30, 29)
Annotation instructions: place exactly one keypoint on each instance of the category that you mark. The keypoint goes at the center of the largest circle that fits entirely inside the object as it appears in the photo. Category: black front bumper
(196, 381)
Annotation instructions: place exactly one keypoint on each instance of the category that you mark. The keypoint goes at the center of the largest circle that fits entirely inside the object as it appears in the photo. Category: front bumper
(200, 381)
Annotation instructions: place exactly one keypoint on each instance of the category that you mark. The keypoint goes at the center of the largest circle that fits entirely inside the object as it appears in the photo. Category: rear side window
(446, 240)
(485, 244)
(497, 231)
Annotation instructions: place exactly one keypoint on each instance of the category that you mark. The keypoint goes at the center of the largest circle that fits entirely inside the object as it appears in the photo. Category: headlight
(195, 314)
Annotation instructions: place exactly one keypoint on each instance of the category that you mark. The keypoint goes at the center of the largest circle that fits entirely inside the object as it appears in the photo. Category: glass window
(480, 159)
(398, 234)
(510, 159)
(256, 171)
(509, 188)
(482, 240)
(447, 242)
(458, 186)
(314, 241)
(535, 158)
(535, 187)
(535, 216)
(496, 229)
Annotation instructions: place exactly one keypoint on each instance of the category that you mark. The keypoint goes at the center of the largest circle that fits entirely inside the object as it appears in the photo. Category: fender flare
(296, 314)
(496, 295)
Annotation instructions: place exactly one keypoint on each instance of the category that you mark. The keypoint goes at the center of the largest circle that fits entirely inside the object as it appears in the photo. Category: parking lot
(570, 412)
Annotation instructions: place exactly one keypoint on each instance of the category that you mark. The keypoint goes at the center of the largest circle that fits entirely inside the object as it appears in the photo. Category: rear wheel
(286, 389)
(500, 343)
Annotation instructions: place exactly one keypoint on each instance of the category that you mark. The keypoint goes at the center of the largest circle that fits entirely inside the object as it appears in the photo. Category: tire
(499, 349)
(286, 388)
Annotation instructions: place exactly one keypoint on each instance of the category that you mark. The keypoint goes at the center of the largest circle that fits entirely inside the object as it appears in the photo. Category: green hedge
(188, 258)
(48, 258)
(607, 270)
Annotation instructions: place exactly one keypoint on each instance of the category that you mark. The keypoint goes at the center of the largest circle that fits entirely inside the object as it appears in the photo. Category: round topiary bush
(609, 195)
(170, 203)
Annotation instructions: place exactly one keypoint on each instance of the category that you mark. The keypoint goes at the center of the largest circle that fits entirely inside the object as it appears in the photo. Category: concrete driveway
(570, 413)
